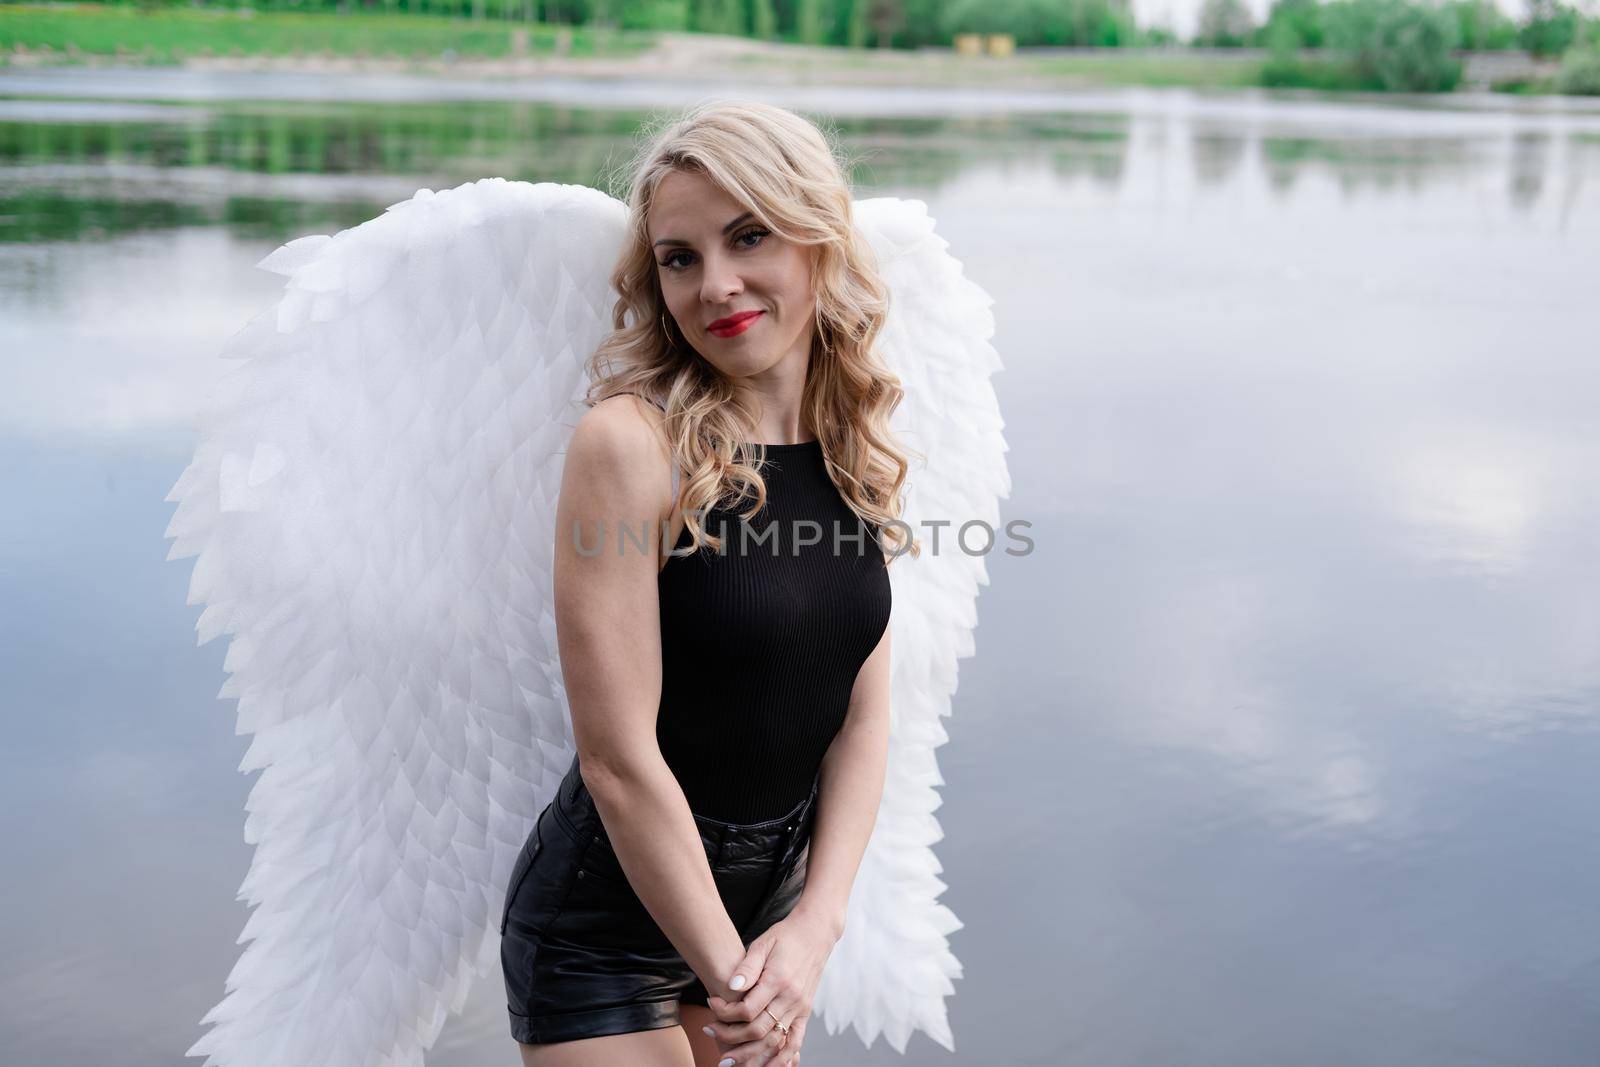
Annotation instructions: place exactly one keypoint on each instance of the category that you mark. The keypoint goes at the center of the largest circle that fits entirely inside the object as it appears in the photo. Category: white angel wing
(372, 502)
(372, 505)
(892, 969)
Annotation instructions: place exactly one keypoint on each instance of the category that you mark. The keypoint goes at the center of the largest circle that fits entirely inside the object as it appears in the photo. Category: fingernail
(737, 983)
(709, 1032)
(725, 1063)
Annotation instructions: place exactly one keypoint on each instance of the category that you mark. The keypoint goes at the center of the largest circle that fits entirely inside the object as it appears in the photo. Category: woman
(679, 897)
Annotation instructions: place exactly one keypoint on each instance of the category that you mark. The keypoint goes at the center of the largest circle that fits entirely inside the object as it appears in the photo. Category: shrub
(1580, 72)
(1396, 45)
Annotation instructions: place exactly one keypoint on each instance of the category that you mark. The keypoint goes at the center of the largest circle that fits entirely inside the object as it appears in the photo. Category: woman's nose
(720, 280)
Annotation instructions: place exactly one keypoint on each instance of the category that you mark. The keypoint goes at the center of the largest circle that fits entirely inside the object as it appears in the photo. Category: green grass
(1136, 68)
(169, 35)
(1130, 67)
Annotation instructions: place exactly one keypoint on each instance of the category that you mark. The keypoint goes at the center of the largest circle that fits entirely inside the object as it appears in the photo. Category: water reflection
(76, 170)
(1281, 745)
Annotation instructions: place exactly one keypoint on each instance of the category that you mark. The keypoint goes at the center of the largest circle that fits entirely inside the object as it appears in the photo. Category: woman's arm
(849, 794)
(609, 633)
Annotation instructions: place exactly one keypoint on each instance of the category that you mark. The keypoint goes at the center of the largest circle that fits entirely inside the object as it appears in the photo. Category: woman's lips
(734, 325)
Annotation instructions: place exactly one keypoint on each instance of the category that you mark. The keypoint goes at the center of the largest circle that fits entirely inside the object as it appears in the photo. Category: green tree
(833, 21)
(763, 20)
(1396, 45)
(1116, 24)
(1224, 24)
(808, 26)
(1482, 26)
(1295, 24)
(655, 15)
(1549, 29)
(719, 16)
(857, 23)
(886, 17)
(923, 18)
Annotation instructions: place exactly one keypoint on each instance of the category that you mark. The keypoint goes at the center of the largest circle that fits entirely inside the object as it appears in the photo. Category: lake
(1280, 747)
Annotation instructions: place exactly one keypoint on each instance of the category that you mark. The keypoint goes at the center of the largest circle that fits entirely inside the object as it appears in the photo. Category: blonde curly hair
(783, 170)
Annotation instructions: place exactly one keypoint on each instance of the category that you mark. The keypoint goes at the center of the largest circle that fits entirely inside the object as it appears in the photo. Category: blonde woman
(730, 697)
(555, 537)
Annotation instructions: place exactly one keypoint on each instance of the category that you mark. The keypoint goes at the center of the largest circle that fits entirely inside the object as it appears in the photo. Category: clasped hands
(780, 972)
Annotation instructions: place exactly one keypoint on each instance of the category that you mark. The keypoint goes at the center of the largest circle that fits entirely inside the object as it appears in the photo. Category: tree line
(1411, 45)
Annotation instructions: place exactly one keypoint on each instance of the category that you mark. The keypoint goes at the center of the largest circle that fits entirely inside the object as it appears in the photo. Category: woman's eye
(672, 260)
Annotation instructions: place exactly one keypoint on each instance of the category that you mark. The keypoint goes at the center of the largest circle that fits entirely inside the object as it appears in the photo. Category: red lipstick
(733, 325)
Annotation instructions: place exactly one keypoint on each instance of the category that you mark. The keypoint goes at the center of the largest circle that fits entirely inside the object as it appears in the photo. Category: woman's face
(715, 262)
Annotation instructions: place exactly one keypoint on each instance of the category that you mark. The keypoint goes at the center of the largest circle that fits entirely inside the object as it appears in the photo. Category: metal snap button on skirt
(580, 952)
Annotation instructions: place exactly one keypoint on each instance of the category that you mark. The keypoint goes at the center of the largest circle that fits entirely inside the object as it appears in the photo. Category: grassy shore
(171, 36)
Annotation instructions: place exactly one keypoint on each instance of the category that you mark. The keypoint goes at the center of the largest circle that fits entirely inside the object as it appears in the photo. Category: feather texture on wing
(892, 969)
(372, 505)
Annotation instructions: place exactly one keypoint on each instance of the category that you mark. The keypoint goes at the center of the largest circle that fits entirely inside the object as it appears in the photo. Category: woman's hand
(781, 970)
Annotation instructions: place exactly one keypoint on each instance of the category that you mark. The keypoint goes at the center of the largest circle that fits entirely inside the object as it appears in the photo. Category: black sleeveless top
(761, 644)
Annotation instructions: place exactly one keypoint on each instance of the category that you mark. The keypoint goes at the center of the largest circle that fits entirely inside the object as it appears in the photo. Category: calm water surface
(1280, 747)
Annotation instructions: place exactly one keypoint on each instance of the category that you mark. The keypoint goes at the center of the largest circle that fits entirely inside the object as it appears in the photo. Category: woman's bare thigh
(695, 1016)
(667, 1046)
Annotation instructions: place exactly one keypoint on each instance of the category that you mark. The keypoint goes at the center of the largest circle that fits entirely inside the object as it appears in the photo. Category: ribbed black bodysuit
(761, 645)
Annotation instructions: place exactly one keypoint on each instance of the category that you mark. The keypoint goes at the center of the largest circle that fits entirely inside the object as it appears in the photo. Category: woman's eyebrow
(725, 229)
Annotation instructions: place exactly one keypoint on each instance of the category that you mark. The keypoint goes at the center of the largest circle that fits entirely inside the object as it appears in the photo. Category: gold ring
(779, 1024)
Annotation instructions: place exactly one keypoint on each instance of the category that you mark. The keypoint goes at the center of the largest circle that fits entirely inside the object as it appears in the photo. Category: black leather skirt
(581, 955)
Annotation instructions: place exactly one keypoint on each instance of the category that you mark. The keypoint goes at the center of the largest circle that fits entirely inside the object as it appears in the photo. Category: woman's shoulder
(618, 441)
(623, 418)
